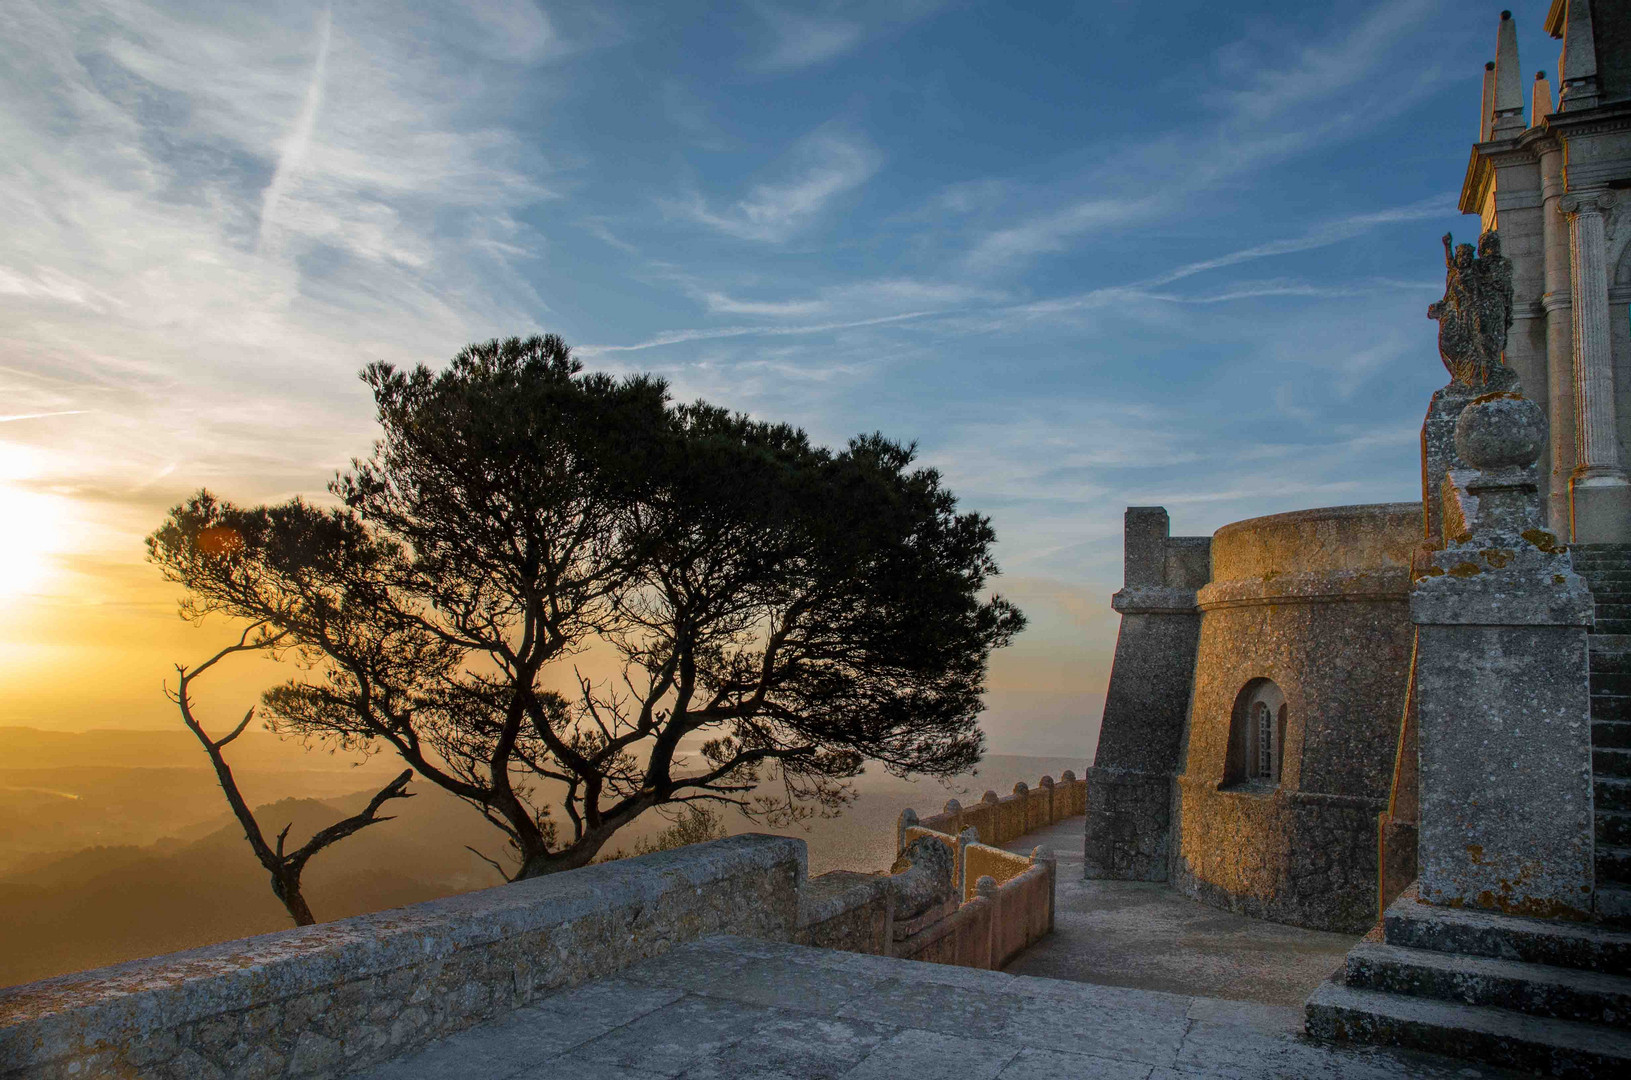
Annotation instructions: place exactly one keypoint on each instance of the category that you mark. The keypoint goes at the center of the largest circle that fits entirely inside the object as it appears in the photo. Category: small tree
(792, 610)
(285, 868)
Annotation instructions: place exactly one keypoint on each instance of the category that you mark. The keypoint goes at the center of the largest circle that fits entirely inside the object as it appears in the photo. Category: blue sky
(1085, 255)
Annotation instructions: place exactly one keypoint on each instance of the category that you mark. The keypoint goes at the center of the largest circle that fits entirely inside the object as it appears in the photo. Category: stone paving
(1145, 935)
(730, 1007)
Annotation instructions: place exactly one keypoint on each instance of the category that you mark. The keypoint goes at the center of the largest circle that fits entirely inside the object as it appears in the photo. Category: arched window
(1257, 733)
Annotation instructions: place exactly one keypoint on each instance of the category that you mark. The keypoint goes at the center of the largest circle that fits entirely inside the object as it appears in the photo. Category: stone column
(1600, 494)
(1502, 692)
(1558, 301)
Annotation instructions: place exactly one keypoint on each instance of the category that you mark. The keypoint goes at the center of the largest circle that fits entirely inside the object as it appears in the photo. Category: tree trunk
(287, 888)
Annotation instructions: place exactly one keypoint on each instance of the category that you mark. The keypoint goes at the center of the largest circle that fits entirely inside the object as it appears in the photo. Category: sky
(1084, 255)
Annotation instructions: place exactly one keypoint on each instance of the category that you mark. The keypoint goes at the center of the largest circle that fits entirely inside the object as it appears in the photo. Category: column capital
(1586, 202)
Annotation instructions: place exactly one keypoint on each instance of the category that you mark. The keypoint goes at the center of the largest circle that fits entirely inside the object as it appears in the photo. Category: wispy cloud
(676, 337)
(821, 167)
(801, 39)
(40, 415)
(299, 140)
(798, 40)
(1322, 235)
(1329, 91)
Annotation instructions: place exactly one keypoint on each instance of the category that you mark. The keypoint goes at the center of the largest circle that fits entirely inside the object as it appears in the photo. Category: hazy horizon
(102, 860)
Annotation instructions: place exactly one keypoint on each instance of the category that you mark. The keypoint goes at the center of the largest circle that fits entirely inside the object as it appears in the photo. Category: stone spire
(1507, 116)
(1486, 116)
(1540, 104)
(1577, 65)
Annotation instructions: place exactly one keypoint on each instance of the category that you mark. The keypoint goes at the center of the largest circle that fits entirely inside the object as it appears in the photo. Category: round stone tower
(1300, 681)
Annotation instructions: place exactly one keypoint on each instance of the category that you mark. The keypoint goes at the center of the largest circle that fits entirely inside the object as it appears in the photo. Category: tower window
(1257, 734)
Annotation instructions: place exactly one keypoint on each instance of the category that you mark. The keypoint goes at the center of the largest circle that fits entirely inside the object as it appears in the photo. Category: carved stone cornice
(1602, 120)
(1487, 157)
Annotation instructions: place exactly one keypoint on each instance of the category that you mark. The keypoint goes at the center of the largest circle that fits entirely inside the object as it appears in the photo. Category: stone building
(1554, 184)
(1289, 711)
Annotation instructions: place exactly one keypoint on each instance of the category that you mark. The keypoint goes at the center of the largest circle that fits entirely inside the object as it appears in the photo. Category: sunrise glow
(33, 525)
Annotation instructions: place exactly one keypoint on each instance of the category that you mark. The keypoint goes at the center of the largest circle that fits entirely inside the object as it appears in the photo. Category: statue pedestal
(1503, 703)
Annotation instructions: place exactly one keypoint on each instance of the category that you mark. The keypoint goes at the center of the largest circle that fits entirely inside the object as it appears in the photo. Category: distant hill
(37, 748)
(101, 863)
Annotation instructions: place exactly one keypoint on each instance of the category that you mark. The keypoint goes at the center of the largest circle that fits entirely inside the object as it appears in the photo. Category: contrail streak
(299, 140)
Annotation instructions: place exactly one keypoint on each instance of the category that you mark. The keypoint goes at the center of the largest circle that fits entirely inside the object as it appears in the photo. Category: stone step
(1610, 644)
(1613, 828)
(1616, 683)
(1614, 708)
(1613, 903)
(1611, 793)
(1611, 734)
(1410, 924)
(1599, 551)
(1613, 864)
(1338, 1013)
(1611, 626)
(1610, 761)
(1610, 663)
(1536, 989)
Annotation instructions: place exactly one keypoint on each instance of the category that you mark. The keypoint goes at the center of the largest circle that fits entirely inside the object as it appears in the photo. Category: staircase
(1548, 997)
(1607, 569)
(1541, 995)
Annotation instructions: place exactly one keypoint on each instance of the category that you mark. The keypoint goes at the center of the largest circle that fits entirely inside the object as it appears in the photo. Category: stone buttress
(1129, 786)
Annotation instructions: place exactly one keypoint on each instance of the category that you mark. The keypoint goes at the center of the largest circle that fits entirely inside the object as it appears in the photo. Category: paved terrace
(1144, 935)
(1132, 984)
(738, 1008)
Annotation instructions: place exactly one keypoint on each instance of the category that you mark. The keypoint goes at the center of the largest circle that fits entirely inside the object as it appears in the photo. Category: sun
(32, 525)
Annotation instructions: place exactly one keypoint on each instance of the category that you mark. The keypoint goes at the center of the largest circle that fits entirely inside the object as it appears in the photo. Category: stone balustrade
(1002, 820)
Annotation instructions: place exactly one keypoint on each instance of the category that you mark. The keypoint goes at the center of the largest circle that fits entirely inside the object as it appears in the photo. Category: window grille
(1265, 740)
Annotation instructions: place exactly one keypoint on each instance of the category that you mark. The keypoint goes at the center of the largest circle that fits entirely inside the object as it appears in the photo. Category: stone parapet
(323, 1000)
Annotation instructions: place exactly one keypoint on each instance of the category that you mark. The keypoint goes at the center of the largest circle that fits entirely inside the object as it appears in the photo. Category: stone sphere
(1499, 432)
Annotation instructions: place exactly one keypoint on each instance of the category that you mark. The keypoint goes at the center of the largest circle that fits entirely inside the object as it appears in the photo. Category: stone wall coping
(1374, 583)
(836, 894)
(1153, 599)
(184, 987)
(1322, 513)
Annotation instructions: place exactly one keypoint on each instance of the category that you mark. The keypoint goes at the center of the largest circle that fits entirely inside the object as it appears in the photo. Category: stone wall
(331, 999)
(324, 1000)
(847, 910)
(1317, 602)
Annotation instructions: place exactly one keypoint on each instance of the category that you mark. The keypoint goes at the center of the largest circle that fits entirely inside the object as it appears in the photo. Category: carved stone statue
(1476, 312)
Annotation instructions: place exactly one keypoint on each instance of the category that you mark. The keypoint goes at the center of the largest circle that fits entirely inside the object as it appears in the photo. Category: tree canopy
(781, 613)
